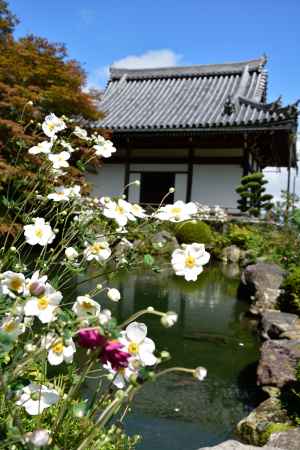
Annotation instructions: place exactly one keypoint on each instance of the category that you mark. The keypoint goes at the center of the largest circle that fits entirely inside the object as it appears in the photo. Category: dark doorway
(155, 185)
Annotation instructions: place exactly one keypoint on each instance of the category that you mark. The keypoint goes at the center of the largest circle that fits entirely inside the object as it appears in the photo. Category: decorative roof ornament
(229, 106)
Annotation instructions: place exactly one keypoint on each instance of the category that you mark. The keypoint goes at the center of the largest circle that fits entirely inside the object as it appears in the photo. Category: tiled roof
(204, 96)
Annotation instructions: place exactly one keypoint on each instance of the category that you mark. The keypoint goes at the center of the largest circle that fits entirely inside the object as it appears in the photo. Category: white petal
(55, 358)
(136, 332)
(147, 358)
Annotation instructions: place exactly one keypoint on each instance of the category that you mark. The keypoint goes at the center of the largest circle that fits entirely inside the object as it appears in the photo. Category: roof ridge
(185, 71)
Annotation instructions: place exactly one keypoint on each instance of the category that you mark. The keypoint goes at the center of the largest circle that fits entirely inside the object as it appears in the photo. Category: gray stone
(231, 254)
(262, 282)
(254, 429)
(235, 445)
(274, 323)
(164, 242)
(278, 362)
(288, 440)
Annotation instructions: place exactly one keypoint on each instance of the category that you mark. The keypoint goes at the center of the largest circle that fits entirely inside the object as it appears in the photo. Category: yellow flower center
(51, 126)
(86, 305)
(58, 347)
(38, 232)
(9, 326)
(43, 302)
(15, 284)
(97, 247)
(133, 348)
(176, 210)
(190, 261)
(120, 210)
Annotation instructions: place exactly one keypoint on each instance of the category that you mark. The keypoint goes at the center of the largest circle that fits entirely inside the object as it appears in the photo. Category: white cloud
(149, 59)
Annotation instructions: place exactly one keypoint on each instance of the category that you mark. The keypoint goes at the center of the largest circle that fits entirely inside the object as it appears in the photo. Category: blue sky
(139, 33)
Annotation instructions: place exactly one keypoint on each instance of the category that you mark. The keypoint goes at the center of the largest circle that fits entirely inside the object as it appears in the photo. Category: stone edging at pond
(269, 423)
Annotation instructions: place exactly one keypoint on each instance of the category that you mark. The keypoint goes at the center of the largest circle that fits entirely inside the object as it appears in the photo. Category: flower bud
(71, 253)
(37, 288)
(113, 294)
(169, 319)
(137, 182)
(200, 373)
(171, 190)
(38, 438)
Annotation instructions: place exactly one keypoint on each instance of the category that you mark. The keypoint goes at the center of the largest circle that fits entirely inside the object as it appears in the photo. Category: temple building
(196, 128)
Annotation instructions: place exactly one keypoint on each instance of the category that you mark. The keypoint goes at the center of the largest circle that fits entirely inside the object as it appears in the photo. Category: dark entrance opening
(155, 185)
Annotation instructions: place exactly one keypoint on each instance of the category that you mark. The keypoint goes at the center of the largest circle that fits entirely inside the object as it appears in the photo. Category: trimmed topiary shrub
(194, 231)
(290, 299)
(252, 194)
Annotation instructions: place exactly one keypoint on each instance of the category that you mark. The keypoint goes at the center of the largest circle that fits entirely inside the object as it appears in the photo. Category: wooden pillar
(127, 172)
(245, 156)
(190, 175)
(288, 187)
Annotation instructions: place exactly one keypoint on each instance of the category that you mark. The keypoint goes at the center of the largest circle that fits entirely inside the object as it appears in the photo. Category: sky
(157, 33)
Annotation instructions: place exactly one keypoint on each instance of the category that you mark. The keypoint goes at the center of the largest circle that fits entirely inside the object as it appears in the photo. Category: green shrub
(194, 231)
(290, 299)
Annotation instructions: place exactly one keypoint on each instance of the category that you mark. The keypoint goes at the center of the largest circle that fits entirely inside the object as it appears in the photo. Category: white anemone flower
(113, 294)
(122, 377)
(38, 438)
(71, 253)
(61, 194)
(120, 211)
(37, 397)
(44, 307)
(138, 211)
(39, 233)
(41, 147)
(12, 326)
(52, 125)
(59, 159)
(67, 146)
(188, 261)
(59, 350)
(12, 283)
(81, 133)
(85, 307)
(98, 251)
(74, 191)
(104, 316)
(178, 212)
(105, 149)
(135, 341)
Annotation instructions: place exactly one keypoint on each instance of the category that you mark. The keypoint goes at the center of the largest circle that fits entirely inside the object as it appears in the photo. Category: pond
(179, 412)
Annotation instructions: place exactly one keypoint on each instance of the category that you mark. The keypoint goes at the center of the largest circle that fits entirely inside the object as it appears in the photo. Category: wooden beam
(127, 172)
(246, 155)
(189, 175)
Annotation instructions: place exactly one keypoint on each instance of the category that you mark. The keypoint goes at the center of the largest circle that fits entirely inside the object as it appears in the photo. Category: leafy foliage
(252, 194)
(290, 298)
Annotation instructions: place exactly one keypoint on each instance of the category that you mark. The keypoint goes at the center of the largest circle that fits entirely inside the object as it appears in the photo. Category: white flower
(169, 319)
(61, 194)
(81, 133)
(39, 233)
(120, 211)
(137, 344)
(44, 307)
(71, 253)
(37, 397)
(85, 307)
(12, 326)
(177, 212)
(67, 146)
(41, 147)
(113, 294)
(59, 159)
(138, 211)
(188, 260)
(12, 283)
(36, 285)
(59, 350)
(104, 316)
(74, 191)
(52, 125)
(200, 373)
(123, 376)
(106, 149)
(38, 438)
(99, 251)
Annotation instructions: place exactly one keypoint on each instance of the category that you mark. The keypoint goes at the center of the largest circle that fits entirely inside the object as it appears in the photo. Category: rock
(122, 247)
(231, 254)
(256, 428)
(235, 445)
(261, 282)
(274, 323)
(288, 440)
(231, 270)
(278, 362)
(164, 242)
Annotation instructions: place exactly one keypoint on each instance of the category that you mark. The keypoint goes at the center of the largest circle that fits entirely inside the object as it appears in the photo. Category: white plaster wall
(134, 190)
(180, 186)
(109, 180)
(215, 184)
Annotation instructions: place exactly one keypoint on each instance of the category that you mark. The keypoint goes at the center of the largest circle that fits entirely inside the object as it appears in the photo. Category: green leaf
(148, 260)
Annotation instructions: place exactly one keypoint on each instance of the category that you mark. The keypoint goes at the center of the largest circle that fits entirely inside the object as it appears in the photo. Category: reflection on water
(212, 331)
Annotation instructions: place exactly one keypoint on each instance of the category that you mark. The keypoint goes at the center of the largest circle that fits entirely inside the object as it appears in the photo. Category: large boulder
(256, 428)
(261, 282)
(231, 254)
(278, 362)
(276, 324)
(235, 445)
(288, 440)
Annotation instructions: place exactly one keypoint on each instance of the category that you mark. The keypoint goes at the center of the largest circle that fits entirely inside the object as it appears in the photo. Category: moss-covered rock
(194, 231)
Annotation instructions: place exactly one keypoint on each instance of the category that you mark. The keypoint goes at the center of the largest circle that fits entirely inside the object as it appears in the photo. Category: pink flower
(88, 338)
(112, 353)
